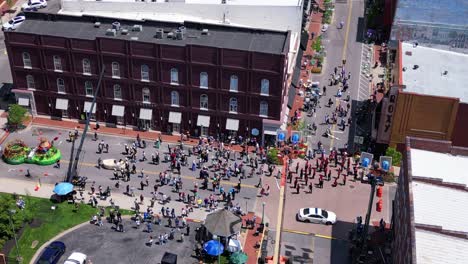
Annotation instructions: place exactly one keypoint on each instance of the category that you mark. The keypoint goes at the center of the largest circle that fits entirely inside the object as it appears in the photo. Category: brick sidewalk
(251, 240)
(147, 135)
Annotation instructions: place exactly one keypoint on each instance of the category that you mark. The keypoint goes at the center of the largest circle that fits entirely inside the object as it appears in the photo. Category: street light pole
(10, 213)
(263, 212)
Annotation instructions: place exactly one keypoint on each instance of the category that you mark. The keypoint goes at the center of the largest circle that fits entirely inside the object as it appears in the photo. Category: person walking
(310, 187)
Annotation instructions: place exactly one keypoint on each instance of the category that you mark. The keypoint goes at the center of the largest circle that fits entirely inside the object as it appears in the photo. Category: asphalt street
(88, 167)
(334, 41)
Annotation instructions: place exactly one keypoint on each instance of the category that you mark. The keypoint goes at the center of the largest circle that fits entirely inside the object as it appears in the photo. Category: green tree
(16, 115)
(396, 156)
(7, 203)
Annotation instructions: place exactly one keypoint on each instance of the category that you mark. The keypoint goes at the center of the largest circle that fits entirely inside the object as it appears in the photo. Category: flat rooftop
(228, 2)
(227, 37)
(437, 204)
(439, 72)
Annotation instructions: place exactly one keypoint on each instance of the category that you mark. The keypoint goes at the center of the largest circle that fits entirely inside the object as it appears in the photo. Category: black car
(52, 253)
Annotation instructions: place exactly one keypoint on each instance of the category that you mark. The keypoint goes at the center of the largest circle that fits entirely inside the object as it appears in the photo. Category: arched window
(234, 84)
(57, 63)
(117, 92)
(204, 102)
(30, 82)
(60, 85)
(146, 95)
(233, 105)
(86, 66)
(263, 108)
(174, 76)
(144, 72)
(265, 87)
(115, 69)
(89, 88)
(27, 60)
(174, 98)
(203, 80)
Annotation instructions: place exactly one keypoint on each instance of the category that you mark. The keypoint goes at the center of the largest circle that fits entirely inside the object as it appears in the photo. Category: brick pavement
(251, 240)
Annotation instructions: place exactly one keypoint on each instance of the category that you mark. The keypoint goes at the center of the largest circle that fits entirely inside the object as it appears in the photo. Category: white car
(316, 215)
(34, 4)
(76, 258)
(13, 23)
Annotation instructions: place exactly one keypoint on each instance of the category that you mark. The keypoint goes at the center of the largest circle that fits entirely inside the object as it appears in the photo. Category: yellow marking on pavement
(87, 164)
(196, 221)
(279, 224)
(297, 232)
(343, 57)
(327, 237)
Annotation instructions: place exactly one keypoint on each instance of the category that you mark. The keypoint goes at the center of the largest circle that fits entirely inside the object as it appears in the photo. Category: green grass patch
(317, 45)
(51, 222)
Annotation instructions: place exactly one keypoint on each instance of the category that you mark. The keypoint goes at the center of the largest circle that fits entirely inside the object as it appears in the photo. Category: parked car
(34, 5)
(316, 215)
(13, 23)
(76, 258)
(52, 253)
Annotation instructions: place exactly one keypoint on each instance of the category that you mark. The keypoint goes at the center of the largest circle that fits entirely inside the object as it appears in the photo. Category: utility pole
(74, 168)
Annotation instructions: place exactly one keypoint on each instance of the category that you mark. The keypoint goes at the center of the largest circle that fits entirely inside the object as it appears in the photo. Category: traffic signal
(379, 205)
(379, 191)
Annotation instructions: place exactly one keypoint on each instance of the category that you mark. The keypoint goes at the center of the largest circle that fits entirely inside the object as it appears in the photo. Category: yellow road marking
(87, 164)
(327, 237)
(343, 57)
(297, 232)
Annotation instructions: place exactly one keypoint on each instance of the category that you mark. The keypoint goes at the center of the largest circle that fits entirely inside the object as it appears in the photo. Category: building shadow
(361, 28)
(339, 245)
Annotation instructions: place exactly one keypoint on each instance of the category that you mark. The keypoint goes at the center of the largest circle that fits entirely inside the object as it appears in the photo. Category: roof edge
(441, 230)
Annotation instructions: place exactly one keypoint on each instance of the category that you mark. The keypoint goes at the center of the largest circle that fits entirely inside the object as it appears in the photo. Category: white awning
(203, 121)
(175, 117)
(61, 104)
(87, 107)
(23, 101)
(232, 124)
(146, 114)
(118, 110)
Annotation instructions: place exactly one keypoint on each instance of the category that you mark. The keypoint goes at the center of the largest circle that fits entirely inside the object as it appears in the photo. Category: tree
(396, 156)
(7, 202)
(16, 115)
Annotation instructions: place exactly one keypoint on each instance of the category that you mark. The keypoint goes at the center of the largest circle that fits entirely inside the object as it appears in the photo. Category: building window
(89, 88)
(265, 87)
(115, 70)
(146, 95)
(174, 76)
(204, 102)
(263, 108)
(233, 105)
(57, 63)
(174, 98)
(203, 80)
(30, 82)
(60, 85)
(234, 84)
(145, 73)
(117, 92)
(86, 67)
(27, 60)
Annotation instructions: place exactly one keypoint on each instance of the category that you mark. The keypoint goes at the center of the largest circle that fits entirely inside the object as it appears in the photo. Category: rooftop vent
(170, 35)
(137, 28)
(415, 67)
(179, 35)
(111, 32)
(134, 38)
(116, 26)
(404, 69)
(97, 24)
(445, 73)
(204, 31)
(159, 33)
(183, 29)
(408, 53)
(223, 1)
(124, 31)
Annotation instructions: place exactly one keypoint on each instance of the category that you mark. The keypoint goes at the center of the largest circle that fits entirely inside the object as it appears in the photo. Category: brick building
(170, 77)
(429, 215)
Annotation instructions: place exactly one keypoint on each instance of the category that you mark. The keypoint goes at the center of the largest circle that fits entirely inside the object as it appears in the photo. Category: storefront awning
(87, 107)
(23, 101)
(61, 104)
(270, 130)
(175, 117)
(118, 110)
(203, 121)
(146, 114)
(232, 124)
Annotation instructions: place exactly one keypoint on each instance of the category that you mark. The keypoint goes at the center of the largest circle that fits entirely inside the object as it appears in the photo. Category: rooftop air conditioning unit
(97, 24)
(159, 33)
(124, 31)
(170, 35)
(204, 31)
(179, 35)
(111, 32)
(137, 28)
(183, 30)
(116, 26)
(134, 38)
